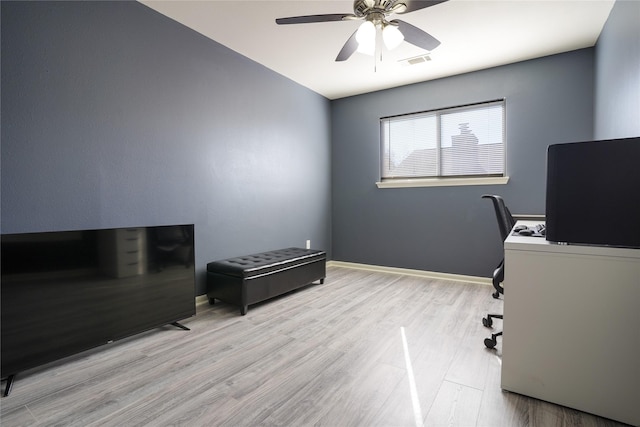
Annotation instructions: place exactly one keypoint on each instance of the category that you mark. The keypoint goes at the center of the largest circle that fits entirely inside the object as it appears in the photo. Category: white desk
(572, 325)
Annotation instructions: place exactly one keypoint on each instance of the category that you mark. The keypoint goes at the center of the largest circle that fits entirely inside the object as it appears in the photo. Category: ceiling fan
(375, 14)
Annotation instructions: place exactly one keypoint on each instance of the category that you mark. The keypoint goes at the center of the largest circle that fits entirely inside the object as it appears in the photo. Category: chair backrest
(505, 220)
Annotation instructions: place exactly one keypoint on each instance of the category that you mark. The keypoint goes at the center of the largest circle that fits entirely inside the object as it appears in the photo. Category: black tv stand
(179, 325)
(7, 388)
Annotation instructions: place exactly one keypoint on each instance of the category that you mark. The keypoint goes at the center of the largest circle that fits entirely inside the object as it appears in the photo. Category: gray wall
(617, 113)
(451, 229)
(113, 115)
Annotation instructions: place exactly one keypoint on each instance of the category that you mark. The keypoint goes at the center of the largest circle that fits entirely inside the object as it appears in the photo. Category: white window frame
(404, 182)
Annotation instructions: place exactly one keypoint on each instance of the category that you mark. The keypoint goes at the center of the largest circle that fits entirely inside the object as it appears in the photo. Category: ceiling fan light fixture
(376, 32)
(392, 36)
(366, 38)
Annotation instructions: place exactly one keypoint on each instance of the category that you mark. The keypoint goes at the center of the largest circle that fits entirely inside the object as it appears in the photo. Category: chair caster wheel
(487, 322)
(490, 342)
(496, 295)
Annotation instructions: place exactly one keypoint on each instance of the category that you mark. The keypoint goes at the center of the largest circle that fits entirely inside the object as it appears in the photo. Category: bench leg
(243, 309)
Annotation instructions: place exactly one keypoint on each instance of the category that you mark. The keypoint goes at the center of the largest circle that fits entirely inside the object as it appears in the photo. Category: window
(458, 142)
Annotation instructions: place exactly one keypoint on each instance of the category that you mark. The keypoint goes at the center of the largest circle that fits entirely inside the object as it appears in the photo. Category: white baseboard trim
(410, 272)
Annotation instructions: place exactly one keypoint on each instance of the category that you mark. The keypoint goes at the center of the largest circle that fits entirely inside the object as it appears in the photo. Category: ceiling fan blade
(418, 4)
(416, 36)
(349, 47)
(315, 18)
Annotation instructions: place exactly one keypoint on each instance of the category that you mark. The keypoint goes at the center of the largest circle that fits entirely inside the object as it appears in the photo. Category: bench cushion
(265, 262)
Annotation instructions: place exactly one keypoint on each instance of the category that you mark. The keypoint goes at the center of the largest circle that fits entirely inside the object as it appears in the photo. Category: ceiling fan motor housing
(362, 8)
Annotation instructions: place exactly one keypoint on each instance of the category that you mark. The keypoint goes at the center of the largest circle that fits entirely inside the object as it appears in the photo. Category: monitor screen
(593, 193)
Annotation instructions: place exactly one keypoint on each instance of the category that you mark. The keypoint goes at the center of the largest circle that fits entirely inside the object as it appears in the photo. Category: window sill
(442, 182)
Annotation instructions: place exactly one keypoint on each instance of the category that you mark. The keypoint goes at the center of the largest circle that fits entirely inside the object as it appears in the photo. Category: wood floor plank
(18, 416)
(499, 407)
(399, 409)
(470, 366)
(280, 389)
(361, 399)
(455, 405)
(363, 349)
(430, 366)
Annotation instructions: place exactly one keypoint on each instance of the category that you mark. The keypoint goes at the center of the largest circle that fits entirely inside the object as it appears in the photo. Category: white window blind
(453, 142)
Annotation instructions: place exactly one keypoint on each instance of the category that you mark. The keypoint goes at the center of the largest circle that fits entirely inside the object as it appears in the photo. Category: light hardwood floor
(364, 349)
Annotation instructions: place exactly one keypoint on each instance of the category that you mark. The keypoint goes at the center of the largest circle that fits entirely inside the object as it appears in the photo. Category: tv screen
(68, 291)
(593, 193)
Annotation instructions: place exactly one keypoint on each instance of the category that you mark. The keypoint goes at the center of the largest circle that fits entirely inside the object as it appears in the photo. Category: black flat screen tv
(69, 291)
(593, 193)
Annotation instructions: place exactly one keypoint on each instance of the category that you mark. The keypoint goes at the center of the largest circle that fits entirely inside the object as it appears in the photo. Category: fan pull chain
(378, 50)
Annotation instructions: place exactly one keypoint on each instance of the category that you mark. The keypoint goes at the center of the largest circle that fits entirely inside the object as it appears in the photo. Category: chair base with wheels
(488, 322)
(498, 277)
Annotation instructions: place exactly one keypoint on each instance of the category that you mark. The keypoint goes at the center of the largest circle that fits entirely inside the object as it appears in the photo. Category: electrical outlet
(308, 244)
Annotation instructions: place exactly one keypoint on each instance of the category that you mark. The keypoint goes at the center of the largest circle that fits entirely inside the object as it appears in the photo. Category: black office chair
(505, 224)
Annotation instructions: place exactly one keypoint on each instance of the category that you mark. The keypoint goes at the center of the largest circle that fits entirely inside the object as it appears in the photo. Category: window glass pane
(450, 142)
(472, 141)
(410, 147)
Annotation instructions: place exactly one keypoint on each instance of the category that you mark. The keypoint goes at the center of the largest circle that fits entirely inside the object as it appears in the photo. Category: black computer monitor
(593, 193)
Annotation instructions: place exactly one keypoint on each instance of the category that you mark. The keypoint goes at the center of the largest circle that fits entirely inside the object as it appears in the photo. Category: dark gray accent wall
(451, 229)
(114, 115)
(617, 108)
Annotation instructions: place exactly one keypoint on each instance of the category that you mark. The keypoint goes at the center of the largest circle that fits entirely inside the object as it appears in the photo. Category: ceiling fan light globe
(367, 48)
(392, 37)
(366, 38)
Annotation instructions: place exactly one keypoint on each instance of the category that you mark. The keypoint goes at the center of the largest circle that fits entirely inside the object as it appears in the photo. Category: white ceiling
(475, 34)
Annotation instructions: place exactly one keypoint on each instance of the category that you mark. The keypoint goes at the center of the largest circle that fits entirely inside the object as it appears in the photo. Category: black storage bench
(253, 278)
